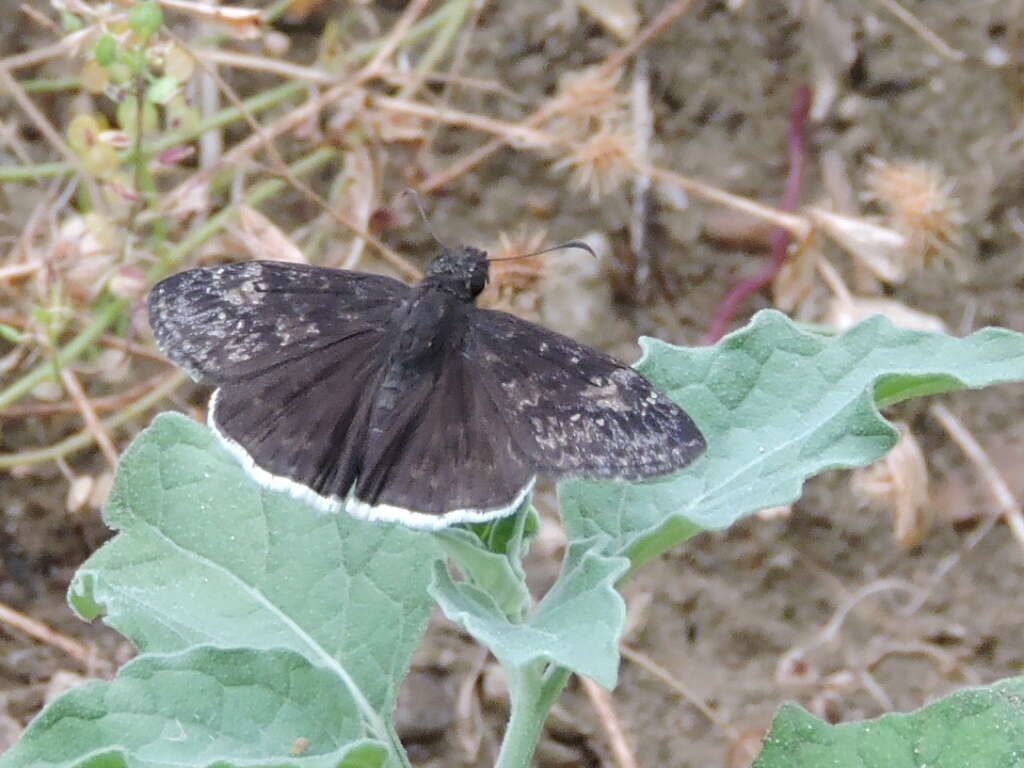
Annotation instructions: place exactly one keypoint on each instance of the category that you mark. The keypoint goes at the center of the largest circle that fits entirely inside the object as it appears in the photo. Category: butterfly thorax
(461, 272)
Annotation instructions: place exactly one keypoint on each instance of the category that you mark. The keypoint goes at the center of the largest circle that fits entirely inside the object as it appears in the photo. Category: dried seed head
(918, 200)
(513, 286)
(601, 163)
(590, 96)
(898, 483)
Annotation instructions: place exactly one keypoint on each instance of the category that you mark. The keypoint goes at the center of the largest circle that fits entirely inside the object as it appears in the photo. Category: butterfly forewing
(296, 350)
(227, 323)
(575, 411)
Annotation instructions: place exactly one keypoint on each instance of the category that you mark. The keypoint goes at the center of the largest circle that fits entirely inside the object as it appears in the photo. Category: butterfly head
(462, 271)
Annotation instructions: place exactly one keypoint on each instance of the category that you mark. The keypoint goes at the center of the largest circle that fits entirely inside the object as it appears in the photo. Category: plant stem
(532, 692)
(796, 149)
(50, 84)
(397, 750)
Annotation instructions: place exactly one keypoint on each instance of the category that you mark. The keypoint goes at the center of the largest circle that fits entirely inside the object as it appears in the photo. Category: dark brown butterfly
(407, 403)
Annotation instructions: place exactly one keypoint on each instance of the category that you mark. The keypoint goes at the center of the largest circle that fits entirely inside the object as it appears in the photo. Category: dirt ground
(821, 605)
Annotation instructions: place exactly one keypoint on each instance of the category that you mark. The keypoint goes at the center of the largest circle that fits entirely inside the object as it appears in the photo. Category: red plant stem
(780, 238)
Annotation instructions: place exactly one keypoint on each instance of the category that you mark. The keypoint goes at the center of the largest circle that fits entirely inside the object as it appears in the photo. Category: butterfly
(406, 403)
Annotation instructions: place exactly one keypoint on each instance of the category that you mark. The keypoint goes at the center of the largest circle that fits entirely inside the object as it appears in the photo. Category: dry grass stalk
(601, 701)
(997, 486)
(40, 631)
(469, 722)
(875, 247)
(92, 422)
(922, 31)
(676, 685)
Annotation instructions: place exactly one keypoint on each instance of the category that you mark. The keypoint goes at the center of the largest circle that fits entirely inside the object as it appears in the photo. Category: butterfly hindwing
(227, 323)
(302, 425)
(575, 411)
(438, 442)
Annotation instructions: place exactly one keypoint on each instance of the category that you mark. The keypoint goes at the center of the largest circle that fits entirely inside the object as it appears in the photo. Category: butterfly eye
(479, 279)
(479, 274)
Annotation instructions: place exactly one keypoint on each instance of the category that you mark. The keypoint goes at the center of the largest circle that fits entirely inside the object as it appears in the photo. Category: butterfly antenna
(571, 244)
(418, 201)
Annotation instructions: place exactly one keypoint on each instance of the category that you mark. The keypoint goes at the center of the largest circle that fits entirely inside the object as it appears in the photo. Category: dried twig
(643, 131)
(40, 631)
(99, 404)
(323, 77)
(86, 438)
(936, 42)
(92, 422)
(468, 720)
(677, 685)
(15, 271)
(514, 133)
(601, 701)
(38, 55)
(1008, 506)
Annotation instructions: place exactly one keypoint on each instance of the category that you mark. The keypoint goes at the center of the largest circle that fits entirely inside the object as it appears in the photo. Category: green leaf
(105, 50)
(206, 706)
(975, 728)
(12, 334)
(205, 556)
(70, 22)
(162, 90)
(145, 19)
(492, 572)
(576, 625)
(777, 405)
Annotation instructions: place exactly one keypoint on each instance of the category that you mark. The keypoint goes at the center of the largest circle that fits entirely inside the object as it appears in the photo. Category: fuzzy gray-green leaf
(778, 405)
(577, 624)
(205, 556)
(974, 728)
(203, 707)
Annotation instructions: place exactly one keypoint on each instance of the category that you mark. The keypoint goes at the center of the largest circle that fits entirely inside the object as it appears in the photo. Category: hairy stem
(532, 691)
